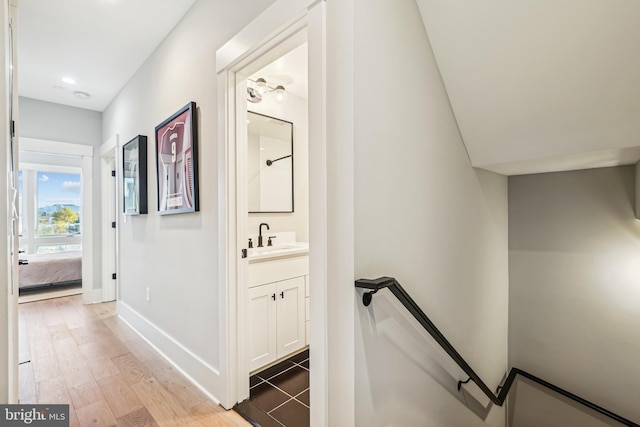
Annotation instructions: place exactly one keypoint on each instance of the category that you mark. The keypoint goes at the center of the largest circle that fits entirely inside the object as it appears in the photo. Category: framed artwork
(134, 177)
(177, 162)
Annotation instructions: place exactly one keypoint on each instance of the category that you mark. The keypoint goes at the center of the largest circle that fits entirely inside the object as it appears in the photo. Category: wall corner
(637, 191)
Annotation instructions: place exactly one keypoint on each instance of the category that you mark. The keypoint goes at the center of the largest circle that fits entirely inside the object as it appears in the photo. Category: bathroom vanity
(278, 311)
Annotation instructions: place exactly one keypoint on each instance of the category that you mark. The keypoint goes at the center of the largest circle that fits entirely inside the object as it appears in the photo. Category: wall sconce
(259, 87)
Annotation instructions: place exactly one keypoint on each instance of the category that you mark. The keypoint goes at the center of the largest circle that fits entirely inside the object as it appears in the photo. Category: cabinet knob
(282, 294)
(273, 296)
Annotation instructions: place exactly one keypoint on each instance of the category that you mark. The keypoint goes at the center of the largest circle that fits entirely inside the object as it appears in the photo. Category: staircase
(534, 402)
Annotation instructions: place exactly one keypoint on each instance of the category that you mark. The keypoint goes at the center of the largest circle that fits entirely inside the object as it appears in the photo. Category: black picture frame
(134, 176)
(177, 162)
(256, 167)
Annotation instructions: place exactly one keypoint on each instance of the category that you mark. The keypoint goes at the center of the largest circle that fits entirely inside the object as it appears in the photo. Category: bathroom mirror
(270, 164)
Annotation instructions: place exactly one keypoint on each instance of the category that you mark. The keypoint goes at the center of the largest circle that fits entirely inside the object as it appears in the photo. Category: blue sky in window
(58, 188)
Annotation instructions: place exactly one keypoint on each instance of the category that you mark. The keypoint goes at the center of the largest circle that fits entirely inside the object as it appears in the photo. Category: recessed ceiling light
(69, 80)
(81, 95)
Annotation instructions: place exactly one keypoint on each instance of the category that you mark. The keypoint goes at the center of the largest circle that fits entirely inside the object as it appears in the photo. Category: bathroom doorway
(278, 31)
(273, 170)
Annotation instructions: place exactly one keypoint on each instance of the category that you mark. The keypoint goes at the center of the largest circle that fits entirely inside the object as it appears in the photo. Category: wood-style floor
(86, 357)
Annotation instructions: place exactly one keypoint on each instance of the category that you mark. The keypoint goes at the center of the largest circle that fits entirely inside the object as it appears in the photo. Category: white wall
(574, 269)
(534, 406)
(294, 110)
(176, 255)
(54, 122)
(427, 218)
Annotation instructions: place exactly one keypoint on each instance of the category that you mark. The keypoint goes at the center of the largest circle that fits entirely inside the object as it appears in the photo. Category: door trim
(110, 208)
(279, 22)
(85, 152)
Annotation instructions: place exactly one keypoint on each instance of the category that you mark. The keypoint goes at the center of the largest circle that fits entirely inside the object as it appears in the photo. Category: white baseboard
(196, 370)
(91, 296)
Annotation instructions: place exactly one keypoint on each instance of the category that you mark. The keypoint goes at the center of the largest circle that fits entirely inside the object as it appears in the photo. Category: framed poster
(134, 176)
(177, 162)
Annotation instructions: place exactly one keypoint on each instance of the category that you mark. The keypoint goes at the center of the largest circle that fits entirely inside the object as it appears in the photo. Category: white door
(262, 325)
(291, 316)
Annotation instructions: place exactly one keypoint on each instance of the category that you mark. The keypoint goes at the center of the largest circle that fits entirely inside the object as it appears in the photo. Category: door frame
(267, 35)
(9, 111)
(85, 153)
(109, 156)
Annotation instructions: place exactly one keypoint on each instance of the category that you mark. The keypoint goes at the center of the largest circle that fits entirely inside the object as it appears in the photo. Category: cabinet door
(290, 314)
(262, 325)
(307, 311)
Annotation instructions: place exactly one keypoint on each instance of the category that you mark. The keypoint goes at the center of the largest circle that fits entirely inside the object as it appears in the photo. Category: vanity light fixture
(259, 87)
(281, 94)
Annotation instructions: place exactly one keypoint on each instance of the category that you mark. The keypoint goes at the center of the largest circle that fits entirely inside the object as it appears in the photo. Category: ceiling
(98, 43)
(289, 70)
(535, 85)
(541, 85)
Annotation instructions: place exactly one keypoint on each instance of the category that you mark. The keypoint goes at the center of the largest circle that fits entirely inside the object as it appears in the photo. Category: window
(50, 249)
(49, 203)
(58, 204)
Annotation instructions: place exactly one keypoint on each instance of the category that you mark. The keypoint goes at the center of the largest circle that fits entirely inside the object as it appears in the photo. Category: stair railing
(498, 398)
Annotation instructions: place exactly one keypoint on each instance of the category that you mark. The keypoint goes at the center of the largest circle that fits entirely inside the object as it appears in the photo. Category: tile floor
(280, 394)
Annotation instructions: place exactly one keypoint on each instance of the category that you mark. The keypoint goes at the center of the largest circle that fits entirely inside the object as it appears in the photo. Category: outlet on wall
(148, 294)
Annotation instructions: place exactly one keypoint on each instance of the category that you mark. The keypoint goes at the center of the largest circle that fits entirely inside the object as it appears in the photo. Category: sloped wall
(426, 217)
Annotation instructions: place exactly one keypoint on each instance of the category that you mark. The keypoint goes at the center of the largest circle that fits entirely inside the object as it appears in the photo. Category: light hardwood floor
(86, 357)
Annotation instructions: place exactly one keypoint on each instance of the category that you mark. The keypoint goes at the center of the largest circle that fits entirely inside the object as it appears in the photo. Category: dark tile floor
(280, 394)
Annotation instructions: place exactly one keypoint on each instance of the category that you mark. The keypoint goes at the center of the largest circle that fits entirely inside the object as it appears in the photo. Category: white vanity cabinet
(277, 309)
(307, 311)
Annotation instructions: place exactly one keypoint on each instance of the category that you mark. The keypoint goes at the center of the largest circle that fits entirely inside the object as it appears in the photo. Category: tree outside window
(64, 218)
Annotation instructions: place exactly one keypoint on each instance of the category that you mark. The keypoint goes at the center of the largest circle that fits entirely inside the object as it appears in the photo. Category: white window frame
(29, 241)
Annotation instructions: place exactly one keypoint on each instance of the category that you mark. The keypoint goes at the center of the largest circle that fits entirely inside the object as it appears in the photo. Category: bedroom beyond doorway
(50, 226)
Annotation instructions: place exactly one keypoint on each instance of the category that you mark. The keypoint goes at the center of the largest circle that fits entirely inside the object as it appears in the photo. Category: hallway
(86, 357)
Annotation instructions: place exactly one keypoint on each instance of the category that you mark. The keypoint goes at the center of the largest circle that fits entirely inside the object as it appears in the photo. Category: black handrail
(374, 285)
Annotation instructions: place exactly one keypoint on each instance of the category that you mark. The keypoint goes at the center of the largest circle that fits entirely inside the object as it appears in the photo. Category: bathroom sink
(285, 249)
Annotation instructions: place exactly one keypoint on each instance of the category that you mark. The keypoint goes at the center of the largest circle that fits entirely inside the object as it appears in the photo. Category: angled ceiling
(541, 85)
(536, 85)
(99, 43)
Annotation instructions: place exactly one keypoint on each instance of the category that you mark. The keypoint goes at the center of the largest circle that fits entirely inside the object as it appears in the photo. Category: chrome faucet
(260, 233)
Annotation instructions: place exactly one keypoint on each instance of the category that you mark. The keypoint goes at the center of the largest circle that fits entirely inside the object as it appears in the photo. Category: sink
(285, 249)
